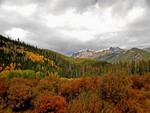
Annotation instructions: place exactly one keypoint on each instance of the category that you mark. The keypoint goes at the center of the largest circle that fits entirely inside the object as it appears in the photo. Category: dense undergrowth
(111, 93)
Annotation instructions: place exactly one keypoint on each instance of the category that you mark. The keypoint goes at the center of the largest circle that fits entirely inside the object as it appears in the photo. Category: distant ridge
(147, 49)
(115, 54)
(88, 53)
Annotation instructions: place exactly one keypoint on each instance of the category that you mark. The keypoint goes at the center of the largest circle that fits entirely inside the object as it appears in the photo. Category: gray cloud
(79, 5)
(55, 6)
(133, 34)
(121, 7)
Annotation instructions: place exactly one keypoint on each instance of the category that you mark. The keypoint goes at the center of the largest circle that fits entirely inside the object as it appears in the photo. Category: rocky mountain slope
(111, 50)
(147, 49)
(128, 55)
(87, 53)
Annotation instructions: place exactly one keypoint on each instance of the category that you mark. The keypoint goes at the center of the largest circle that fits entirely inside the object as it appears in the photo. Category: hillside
(16, 55)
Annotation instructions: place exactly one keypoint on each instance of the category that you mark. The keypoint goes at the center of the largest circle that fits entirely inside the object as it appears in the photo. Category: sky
(67, 26)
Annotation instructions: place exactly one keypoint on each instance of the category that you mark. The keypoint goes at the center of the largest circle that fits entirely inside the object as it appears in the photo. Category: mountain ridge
(87, 53)
(116, 54)
(101, 52)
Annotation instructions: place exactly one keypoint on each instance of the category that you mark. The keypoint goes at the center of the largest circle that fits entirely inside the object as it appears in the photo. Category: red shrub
(73, 88)
(51, 104)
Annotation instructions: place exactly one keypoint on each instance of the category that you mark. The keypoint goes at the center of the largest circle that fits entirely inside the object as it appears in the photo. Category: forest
(34, 80)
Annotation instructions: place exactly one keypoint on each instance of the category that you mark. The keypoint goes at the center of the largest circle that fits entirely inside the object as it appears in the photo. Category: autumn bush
(114, 87)
(142, 98)
(71, 89)
(146, 81)
(111, 93)
(89, 84)
(4, 84)
(129, 106)
(86, 102)
(48, 84)
(19, 95)
(140, 82)
(50, 104)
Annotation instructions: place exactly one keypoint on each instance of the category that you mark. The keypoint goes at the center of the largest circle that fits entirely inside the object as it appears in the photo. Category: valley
(34, 80)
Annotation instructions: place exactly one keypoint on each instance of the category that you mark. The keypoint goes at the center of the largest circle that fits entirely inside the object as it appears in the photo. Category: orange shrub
(137, 82)
(86, 102)
(140, 82)
(69, 90)
(129, 106)
(3, 86)
(48, 84)
(114, 87)
(19, 95)
(73, 88)
(51, 104)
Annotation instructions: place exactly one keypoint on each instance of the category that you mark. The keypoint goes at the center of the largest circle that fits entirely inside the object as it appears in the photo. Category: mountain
(134, 54)
(147, 49)
(87, 53)
(111, 50)
(96, 54)
(17, 55)
(114, 54)
(115, 50)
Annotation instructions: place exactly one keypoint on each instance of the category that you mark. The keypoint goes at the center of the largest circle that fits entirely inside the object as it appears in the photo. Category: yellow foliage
(12, 66)
(34, 57)
(4, 73)
(20, 51)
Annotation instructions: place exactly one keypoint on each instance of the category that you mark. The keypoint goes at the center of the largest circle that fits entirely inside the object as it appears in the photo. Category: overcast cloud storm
(67, 26)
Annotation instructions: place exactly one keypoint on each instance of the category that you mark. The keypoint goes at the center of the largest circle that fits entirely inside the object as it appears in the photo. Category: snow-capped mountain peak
(88, 53)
